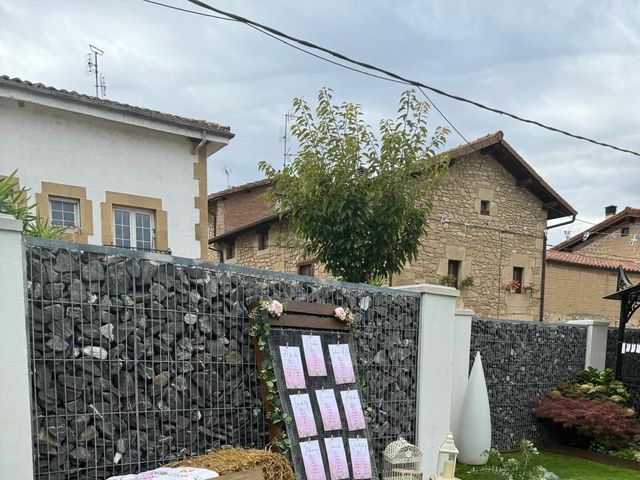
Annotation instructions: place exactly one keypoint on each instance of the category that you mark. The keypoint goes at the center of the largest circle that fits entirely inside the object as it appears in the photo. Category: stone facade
(510, 236)
(614, 243)
(576, 292)
(486, 224)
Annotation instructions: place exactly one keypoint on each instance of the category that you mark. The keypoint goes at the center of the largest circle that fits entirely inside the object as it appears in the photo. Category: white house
(114, 174)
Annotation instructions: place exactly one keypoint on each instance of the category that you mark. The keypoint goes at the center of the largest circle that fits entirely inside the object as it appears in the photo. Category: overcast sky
(572, 64)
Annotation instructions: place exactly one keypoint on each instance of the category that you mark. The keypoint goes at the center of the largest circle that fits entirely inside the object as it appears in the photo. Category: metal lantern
(447, 458)
(402, 461)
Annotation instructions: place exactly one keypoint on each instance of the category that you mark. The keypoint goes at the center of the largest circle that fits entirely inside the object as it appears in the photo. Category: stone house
(486, 230)
(113, 174)
(583, 269)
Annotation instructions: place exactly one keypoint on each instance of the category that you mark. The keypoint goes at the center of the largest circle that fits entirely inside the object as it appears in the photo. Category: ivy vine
(260, 330)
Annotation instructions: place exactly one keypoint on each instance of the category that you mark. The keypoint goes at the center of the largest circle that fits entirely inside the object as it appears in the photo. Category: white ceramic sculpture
(475, 419)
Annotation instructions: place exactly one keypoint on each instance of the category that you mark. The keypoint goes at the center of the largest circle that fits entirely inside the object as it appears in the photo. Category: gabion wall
(630, 365)
(138, 359)
(522, 361)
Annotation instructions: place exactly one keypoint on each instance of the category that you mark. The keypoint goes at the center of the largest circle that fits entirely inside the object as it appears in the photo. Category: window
(263, 239)
(306, 269)
(485, 207)
(624, 232)
(518, 276)
(230, 250)
(453, 272)
(64, 212)
(133, 228)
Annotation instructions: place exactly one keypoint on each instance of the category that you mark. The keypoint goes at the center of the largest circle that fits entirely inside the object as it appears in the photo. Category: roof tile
(598, 262)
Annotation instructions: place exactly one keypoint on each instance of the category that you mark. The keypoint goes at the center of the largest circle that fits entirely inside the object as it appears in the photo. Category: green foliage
(595, 384)
(260, 329)
(629, 453)
(357, 203)
(449, 281)
(522, 467)
(15, 202)
(467, 282)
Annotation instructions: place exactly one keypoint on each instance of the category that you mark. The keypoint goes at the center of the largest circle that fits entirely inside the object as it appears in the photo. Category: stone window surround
(116, 199)
(308, 263)
(74, 192)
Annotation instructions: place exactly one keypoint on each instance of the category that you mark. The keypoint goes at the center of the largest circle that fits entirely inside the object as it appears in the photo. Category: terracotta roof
(598, 262)
(607, 223)
(493, 143)
(239, 188)
(73, 96)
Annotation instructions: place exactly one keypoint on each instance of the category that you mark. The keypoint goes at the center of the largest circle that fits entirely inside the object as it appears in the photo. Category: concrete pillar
(597, 332)
(16, 459)
(460, 374)
(435, 368)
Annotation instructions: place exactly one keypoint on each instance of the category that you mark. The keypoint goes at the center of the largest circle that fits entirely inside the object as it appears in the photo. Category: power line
(320, 57)
(398, 77)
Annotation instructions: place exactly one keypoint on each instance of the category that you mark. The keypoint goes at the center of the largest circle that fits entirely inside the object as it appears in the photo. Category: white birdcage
(402, 461)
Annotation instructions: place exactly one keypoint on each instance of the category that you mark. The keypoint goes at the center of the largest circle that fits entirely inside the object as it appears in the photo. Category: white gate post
(435, 368)
(461, 347)
(16, 458)
(597, 332)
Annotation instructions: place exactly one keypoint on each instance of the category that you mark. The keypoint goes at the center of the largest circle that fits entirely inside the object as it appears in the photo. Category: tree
(359, 204)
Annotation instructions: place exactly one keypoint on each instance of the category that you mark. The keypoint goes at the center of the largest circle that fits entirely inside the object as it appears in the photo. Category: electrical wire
(398, 77)
(320, 57)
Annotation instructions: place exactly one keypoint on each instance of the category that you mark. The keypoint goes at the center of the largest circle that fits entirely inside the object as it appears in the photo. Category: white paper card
(313, 356)
(303, 415)
(353, 409)
(341, 363)
(337, 458)
(360, 458)
(292, 367)
(312, 459)
(329, 410)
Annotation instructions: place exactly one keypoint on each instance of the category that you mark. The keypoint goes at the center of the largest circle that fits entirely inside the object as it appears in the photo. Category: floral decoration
(345, 315)
(273, 307)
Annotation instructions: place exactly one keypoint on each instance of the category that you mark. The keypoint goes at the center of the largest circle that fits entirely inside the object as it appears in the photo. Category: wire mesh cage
(402, 461)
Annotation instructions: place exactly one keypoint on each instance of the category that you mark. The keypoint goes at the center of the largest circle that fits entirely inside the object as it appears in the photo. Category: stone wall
(612, 244)
(630, 365)
(522, 361)
(241, 208)
(511, 236)
(487, 254)
(281, 254)
(139, 358)
(577, 292)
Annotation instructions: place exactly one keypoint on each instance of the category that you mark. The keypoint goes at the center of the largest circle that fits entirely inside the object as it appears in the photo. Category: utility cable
(400, 78)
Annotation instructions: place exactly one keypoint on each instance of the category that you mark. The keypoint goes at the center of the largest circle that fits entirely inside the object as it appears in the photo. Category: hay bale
(274, 466)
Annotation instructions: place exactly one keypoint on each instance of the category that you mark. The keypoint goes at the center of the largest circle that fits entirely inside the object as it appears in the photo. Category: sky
(571, 64)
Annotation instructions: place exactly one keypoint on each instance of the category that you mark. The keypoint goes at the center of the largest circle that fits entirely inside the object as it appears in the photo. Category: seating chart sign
(328, 434)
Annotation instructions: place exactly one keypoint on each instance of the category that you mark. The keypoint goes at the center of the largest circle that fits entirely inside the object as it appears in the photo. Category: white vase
(475, 418)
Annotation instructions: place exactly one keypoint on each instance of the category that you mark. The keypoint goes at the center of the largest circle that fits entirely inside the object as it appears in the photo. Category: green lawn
(567, 468)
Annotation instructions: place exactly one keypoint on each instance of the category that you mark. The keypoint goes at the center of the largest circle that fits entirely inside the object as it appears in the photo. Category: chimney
(610, 210)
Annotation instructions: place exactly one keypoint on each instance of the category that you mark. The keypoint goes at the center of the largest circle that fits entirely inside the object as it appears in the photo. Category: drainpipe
(544, 263)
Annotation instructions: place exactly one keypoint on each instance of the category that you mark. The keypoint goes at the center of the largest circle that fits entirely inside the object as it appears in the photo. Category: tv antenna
(284, 138)
(91, 66)
(227, 172)
(567, 234)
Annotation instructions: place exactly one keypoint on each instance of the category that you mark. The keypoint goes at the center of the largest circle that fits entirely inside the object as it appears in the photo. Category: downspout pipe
(544, 263)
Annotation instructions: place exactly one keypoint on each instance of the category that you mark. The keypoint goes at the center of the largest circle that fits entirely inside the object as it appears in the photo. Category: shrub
(500, 467)
(608, 424)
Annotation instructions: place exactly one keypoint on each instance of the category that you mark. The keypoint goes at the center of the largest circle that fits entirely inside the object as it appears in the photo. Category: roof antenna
(284, 138)
(227, 172)
(567, 234)
(91, 66)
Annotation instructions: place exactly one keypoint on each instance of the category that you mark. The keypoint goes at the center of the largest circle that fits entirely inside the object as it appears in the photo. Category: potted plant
(449, 281)
(467, 282)
(511, 287)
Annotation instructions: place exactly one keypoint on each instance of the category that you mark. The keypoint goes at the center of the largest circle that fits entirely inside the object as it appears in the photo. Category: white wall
(435, 369)
(47, 144)
(15, 405)
(460, 374)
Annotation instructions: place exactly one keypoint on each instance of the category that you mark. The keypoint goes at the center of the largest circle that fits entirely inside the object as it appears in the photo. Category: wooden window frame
(518, 274)
(458, 267)
(230, 246)
(310, 264)
(263, 239)
(487, 210)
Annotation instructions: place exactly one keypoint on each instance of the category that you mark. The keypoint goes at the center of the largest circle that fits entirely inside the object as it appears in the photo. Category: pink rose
(340, 313)
(274, 308)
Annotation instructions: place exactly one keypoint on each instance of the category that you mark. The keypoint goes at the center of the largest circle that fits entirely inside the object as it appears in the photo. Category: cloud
(571, 64)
